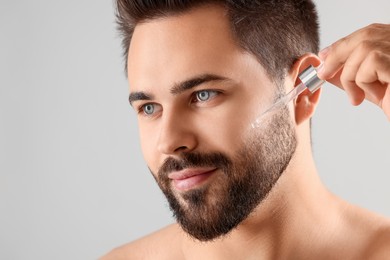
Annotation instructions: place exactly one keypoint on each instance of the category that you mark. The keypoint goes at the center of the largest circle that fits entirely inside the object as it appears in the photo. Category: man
(200, 72)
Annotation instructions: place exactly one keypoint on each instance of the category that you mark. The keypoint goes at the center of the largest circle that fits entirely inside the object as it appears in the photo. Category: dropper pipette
(309, 80)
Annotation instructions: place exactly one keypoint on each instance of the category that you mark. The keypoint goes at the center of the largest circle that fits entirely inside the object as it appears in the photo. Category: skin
(300, 219)
(360, 65)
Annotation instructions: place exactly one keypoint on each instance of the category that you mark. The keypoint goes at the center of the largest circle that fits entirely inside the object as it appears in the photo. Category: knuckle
(346, 80)
(360, 79)
(373, 31)
(337, 48)
(342, 41)
(376, 25)
(366, 46)
(375, 57)
(368, 32)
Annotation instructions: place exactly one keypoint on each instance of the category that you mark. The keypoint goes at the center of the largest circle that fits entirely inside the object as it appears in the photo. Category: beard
(240, 184)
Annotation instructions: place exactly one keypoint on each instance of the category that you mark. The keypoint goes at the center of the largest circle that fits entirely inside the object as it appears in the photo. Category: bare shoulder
(374, 234)
(162, 244)
(367, 233)
(379, 245)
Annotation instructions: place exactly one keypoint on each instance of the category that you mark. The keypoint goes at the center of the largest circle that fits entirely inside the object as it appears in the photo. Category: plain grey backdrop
(73, 183)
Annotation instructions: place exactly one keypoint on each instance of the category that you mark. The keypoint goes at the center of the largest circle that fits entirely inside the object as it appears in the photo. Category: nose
(176, 134)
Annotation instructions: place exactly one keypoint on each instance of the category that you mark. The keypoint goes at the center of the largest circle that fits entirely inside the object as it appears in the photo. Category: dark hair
(277, 32)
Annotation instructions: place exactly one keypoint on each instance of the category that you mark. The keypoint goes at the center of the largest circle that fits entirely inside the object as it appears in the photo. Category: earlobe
(306, 102)
(305, 105)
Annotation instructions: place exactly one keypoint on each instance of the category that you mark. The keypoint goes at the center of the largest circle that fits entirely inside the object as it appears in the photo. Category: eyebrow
(135, 96)
(178, 88)
(194, 82)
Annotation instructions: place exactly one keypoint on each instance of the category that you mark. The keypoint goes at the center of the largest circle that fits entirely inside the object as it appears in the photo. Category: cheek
(148, 146)
(225, 130)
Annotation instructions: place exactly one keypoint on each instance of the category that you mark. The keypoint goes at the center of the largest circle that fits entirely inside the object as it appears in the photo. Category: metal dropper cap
(310, 79)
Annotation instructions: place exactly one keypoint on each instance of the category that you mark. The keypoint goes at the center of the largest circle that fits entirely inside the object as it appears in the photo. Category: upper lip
(189, 172)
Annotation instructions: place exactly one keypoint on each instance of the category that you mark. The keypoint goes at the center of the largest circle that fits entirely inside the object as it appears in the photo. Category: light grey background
(73, 183)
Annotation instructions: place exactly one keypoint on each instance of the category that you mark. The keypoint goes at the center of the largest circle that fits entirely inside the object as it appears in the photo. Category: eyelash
(194, 99)
(141, 108)
(209, 91)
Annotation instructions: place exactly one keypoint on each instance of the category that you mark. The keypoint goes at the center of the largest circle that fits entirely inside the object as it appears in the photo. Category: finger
(373, 77)
(335, 80)
(335, 56)
(350, 72)
(376, 67)
(355, 93)
(386, 103)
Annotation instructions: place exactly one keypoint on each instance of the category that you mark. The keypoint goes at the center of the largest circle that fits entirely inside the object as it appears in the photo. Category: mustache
(187, 160)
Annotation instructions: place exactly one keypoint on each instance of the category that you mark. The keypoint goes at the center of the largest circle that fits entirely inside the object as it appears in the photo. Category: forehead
(198, 41)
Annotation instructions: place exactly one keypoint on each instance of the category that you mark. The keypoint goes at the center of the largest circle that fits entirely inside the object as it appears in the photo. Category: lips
(190, 178)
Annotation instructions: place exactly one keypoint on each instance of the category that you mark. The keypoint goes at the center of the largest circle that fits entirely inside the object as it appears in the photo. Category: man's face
(196, 93)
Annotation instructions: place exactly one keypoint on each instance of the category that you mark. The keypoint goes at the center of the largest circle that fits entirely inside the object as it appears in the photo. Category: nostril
(174, 138)
(181, 148)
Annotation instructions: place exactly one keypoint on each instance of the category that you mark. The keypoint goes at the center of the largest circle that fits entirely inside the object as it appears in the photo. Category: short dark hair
(276, 32)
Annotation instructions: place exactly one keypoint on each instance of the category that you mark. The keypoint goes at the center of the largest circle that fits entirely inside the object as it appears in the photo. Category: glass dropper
(309, 80)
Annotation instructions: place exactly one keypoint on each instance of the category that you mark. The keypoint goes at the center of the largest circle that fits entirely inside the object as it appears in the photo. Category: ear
(306, 102)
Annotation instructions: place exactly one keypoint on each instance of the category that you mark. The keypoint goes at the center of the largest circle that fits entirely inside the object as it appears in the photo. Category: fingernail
(320, 70)
(324, 52)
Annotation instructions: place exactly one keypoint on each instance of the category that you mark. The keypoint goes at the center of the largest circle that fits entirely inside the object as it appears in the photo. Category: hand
(360, 64)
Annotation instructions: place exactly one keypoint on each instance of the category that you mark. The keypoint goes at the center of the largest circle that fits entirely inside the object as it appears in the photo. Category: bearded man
(200, 73)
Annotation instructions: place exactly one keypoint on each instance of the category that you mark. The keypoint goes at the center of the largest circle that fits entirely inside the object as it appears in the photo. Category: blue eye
(148, 109)
(205, 95)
